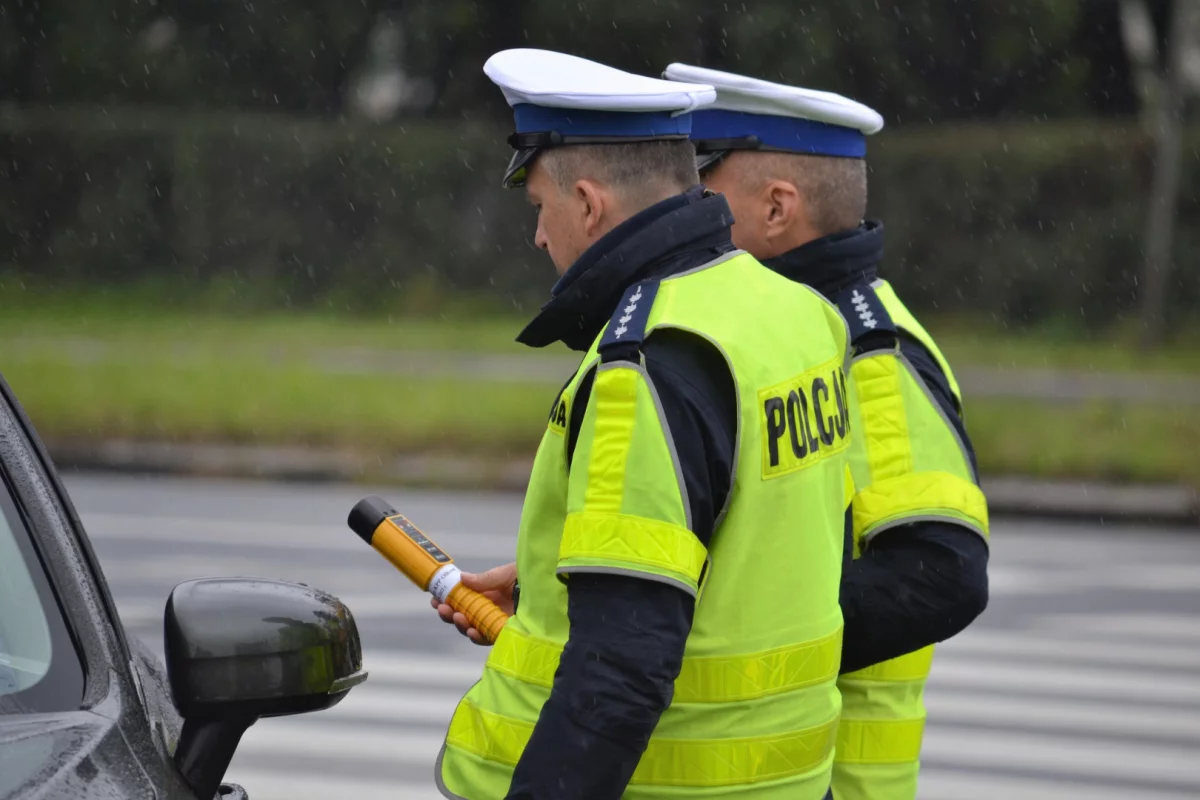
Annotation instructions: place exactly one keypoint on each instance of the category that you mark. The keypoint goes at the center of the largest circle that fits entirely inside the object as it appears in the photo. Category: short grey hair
(835, 188)
(642, 173)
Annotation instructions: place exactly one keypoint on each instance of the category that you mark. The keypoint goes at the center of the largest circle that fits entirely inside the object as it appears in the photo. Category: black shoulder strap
(626, 330)
(864, 312)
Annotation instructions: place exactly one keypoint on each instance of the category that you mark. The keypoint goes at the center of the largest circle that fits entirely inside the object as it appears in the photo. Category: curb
(1093, 501)
(302, 464)
(1007, 495)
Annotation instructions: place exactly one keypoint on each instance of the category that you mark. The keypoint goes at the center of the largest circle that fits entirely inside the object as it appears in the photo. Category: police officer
(790, 162)
(677, 630)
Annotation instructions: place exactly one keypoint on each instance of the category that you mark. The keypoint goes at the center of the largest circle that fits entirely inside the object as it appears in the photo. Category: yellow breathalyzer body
(395, 538)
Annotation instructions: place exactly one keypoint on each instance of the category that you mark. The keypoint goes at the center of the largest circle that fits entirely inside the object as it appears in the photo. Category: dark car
(87, 711)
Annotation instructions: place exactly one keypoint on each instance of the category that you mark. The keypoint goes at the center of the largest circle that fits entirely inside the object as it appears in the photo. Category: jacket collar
(667, 238)
(834, 262)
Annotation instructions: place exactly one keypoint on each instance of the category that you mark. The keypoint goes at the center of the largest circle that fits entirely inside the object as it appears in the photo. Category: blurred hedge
(1023, 224)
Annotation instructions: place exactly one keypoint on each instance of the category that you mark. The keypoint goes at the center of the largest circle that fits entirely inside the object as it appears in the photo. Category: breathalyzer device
(423, 562)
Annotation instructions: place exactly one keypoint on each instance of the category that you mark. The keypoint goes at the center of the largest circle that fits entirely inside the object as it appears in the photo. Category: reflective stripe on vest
(755, 707)
(612, 524)
(911, 464)
(711, 679)
(666, 762)
(879, 741)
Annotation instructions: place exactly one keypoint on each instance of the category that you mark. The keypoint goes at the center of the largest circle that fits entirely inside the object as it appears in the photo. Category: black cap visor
(710, 151)
(706, 161)
(529, 145)
(518, 167)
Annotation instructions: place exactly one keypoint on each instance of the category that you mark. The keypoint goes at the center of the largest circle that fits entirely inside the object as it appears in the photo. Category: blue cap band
(582, 122)
(789, 134)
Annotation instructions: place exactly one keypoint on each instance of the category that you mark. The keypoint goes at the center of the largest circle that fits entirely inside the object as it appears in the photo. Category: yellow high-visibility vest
(908, 465)
(755, 709)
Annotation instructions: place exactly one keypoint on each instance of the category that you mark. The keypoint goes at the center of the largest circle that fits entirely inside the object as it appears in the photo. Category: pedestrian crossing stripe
(1068, 647)
(1133, 626)
(950, 707)
(936, 784)
(1073, 681)
(1091, 757)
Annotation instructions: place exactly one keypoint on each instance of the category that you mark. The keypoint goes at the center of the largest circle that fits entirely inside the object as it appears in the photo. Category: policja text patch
(804, 420)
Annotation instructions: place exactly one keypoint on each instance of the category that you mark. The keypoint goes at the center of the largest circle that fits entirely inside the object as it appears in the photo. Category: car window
(40, 668)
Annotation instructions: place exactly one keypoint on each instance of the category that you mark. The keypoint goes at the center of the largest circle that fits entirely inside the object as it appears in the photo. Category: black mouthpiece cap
(367, 514)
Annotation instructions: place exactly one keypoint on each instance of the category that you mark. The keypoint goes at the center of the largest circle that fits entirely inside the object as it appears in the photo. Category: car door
(74, 719)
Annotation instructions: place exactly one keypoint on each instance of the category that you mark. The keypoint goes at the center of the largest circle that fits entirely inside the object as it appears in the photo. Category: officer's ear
(784, 204)
(594, 207)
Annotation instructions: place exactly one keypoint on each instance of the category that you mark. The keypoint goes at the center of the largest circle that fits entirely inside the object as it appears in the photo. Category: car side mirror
(238, 649)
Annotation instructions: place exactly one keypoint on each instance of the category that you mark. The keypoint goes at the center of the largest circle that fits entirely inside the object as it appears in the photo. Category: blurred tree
(1098, 39)
(19, 50)
(293, 55)
(1164, 86)
(914, 60)
(69, 50)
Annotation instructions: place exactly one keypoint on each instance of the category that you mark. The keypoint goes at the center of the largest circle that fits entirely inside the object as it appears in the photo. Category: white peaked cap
(559, 99)
(754, 96)
(557, 80)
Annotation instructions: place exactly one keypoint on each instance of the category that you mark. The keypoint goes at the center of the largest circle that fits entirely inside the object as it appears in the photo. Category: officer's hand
(496, 585)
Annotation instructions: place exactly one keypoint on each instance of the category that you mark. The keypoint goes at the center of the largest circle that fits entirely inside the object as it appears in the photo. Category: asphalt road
(1082, 680)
